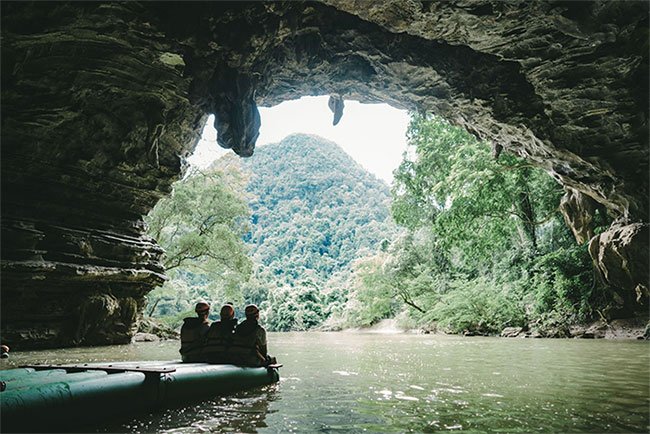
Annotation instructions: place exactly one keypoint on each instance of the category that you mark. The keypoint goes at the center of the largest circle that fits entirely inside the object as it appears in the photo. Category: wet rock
(596, 330)
(511, 332)
(145, 337)
(552, 326)
(535, 334)
(150, 325)
(630, 328)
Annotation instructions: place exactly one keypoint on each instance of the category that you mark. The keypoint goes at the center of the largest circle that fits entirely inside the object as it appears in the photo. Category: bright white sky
(374, 135)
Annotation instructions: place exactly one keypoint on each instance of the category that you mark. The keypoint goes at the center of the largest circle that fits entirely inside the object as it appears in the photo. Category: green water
(352, 382)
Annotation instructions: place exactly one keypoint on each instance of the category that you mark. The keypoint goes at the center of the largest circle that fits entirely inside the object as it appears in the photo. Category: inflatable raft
(51, 397)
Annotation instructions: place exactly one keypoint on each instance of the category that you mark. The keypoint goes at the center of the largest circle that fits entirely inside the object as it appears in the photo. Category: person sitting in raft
(220, 336)
(193, 334)
(249, 343)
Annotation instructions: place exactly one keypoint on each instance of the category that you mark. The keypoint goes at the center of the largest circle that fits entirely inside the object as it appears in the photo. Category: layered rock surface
(94, 118)
(102, 101)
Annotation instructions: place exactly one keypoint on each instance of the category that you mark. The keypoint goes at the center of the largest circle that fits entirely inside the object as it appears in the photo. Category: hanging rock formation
(579, 211)
(101, 103)
(336, 105)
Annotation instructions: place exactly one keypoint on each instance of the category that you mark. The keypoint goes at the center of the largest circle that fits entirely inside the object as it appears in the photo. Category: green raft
(50, 397)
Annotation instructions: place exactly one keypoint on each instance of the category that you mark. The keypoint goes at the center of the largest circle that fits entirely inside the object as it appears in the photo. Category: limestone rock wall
(95, 114)
(101, 102)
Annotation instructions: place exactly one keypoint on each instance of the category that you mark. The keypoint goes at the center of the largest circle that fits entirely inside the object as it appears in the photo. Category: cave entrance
(100, 101)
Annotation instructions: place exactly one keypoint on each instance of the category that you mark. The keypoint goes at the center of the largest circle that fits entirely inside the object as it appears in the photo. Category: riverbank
(152, 330)
(630, 328)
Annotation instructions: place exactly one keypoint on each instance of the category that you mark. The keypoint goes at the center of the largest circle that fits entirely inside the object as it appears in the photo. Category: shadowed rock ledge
(101, 103)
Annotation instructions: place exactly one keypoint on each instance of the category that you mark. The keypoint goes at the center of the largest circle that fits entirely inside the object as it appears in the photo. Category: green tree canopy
(201, 226)
(472, 201)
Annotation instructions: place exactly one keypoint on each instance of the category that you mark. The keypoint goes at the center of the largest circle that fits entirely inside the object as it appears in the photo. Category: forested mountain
(313, 208)
(314, 211)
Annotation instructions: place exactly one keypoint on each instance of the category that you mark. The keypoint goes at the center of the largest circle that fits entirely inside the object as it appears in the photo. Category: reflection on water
(349, 382)
(242, 412)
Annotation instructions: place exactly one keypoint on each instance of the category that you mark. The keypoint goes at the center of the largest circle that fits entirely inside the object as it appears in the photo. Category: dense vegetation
(313, 212)
(486, 246)
(482, 244)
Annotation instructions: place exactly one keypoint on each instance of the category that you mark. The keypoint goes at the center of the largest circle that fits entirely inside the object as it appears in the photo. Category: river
(396, 383)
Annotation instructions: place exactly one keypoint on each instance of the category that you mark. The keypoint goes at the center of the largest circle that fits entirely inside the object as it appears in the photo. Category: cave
(102, 102)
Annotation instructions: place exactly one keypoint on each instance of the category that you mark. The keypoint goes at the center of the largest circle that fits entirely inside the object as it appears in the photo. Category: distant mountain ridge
(314, 209)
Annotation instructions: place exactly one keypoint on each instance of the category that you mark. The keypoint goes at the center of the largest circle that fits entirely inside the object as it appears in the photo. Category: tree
(201, 226)
(474, 203)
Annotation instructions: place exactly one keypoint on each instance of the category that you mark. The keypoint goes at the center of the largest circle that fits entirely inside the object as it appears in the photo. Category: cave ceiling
(103, 101)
